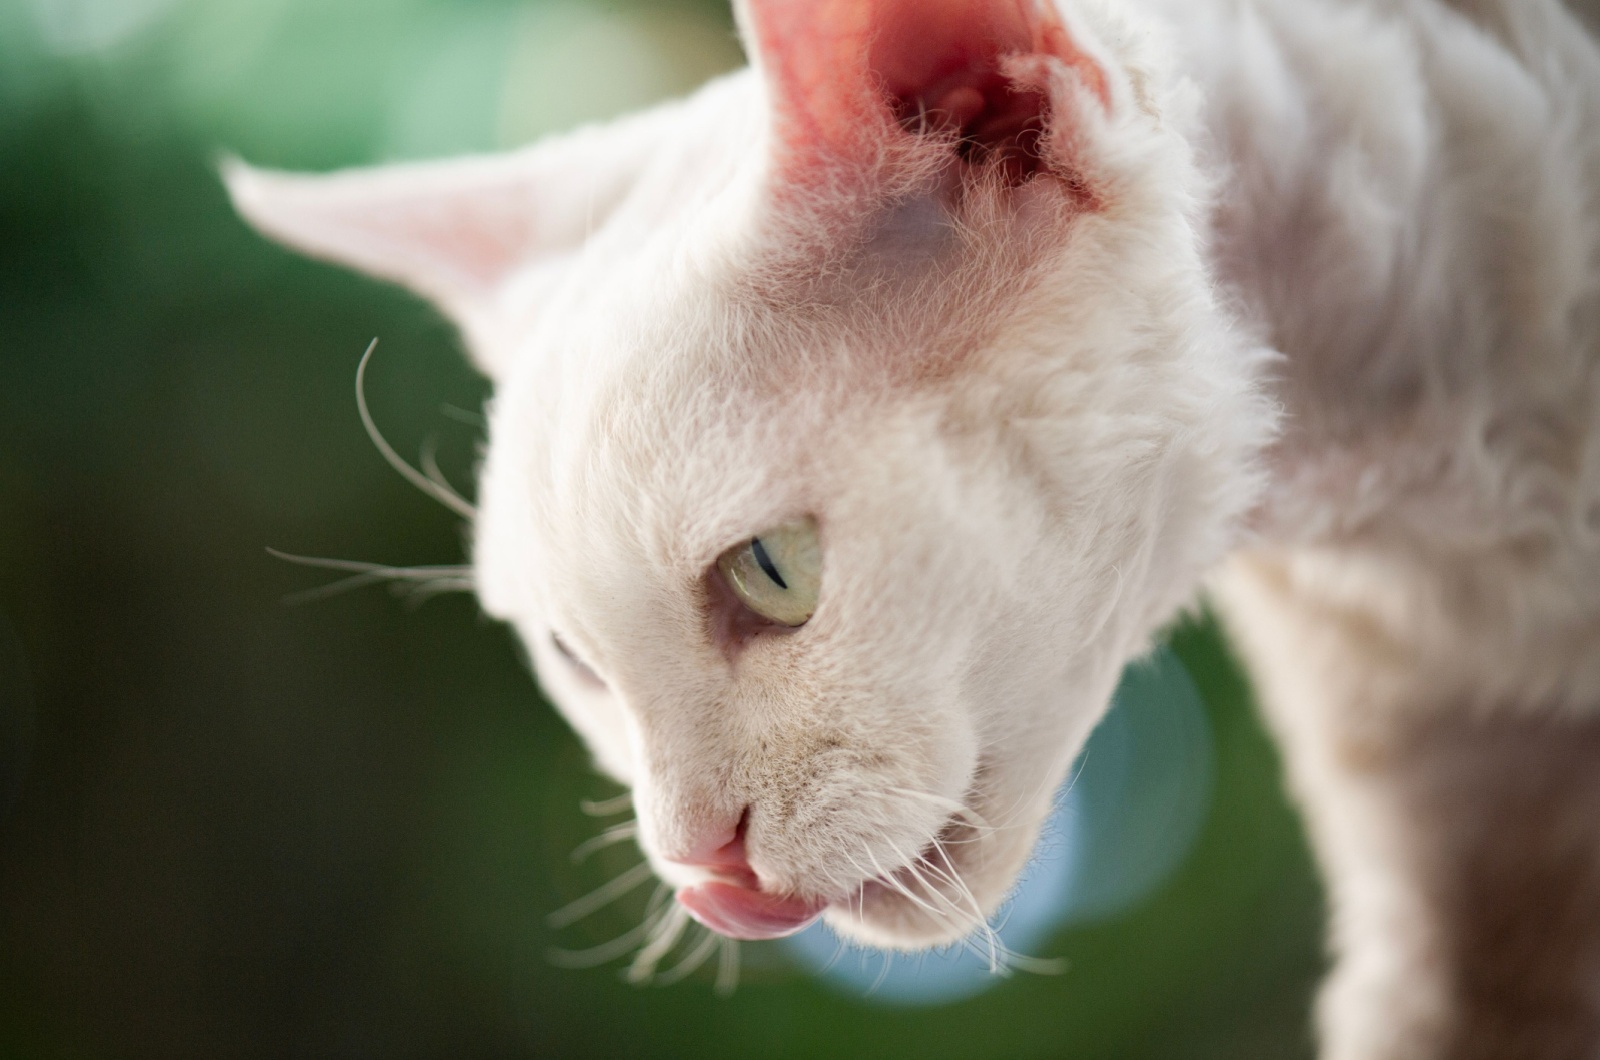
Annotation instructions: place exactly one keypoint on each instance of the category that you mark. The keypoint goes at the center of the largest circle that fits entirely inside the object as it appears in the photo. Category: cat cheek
(580, 670)
(595, 714)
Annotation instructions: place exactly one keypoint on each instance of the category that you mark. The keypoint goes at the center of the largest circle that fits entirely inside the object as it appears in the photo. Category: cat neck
(1404, 210)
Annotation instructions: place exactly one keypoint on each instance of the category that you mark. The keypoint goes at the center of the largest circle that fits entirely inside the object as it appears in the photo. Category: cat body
(1421, 608)
(1039, 317)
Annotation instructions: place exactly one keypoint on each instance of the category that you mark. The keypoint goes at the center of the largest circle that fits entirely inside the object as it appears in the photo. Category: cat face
(929, 302)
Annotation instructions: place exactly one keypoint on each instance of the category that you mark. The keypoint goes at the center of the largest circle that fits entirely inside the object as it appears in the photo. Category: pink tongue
(741, 913)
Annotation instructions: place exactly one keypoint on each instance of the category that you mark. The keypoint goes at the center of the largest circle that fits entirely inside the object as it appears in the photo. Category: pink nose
(733, 904)
(725, 857)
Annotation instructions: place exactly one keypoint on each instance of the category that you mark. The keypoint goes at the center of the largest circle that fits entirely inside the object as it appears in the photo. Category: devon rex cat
(859, 417)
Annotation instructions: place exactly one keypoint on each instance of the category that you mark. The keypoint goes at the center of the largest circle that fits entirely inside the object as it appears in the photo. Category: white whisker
(861, 890)
(658, 900)
(607, 807)
(952, 911)
(948, 873)
(1022, 801)
(1003, 959)
(615, 834)
(604, 952)
(1037, 965)
(727, 968)
(664, 936)
(600, 897)
(888, 960)
(461, 415)
(987, 953)
(956, 809)
(417, 582)
(443, 494)
(892, 880)
(418, 591)
(384, 570)
(430, 468)
(696, 957)
(1066, 789)
(838, 951)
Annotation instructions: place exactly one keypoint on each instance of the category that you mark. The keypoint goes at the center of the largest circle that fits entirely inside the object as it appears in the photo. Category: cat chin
(947, 895)
(881, 918)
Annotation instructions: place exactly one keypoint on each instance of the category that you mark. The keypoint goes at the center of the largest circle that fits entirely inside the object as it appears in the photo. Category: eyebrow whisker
(441, 492)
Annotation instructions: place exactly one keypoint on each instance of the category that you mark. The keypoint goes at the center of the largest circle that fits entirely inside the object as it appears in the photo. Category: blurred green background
(234, 827)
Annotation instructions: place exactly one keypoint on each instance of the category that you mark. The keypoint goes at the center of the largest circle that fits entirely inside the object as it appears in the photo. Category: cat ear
(849, 77)
(476, 236)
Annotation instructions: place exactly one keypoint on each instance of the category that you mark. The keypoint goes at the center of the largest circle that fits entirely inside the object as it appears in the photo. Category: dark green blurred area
(231, 827)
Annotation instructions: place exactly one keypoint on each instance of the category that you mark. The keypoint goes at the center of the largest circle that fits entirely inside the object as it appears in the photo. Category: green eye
(778, 574)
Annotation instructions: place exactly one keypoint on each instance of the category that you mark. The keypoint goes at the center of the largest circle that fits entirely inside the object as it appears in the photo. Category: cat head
(856, 420)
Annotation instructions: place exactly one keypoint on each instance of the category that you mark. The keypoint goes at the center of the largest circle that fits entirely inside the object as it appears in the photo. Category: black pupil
(767, 566)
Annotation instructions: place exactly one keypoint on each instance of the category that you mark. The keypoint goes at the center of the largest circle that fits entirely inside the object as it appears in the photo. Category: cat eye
(778, 574)
(581, 668)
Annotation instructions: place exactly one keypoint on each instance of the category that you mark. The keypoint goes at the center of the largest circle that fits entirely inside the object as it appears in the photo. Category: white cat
(858, 418)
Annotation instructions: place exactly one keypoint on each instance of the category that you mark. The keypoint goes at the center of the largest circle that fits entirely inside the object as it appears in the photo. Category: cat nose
(721, 850)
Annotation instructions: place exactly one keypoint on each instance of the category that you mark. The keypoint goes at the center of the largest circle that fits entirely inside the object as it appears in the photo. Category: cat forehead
(718, 322)
(708, 383)
(672, 453)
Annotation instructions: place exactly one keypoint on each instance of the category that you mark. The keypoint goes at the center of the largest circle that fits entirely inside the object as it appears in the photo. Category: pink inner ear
(843, 70)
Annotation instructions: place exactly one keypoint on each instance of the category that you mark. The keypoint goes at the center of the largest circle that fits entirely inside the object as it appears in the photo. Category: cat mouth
(744, 913)
(733, 905)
